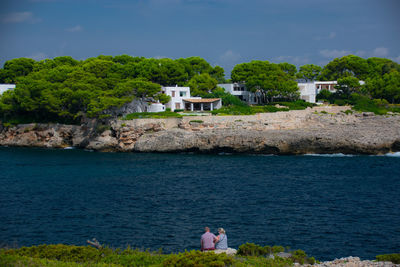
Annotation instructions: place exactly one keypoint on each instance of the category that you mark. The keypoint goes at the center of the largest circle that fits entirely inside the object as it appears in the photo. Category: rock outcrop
(318, 130)
(351, 262)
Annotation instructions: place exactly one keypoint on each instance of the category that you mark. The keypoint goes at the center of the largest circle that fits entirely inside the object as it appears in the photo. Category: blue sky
(224, 32)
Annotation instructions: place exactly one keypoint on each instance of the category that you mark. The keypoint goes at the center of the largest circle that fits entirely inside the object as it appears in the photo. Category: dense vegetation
(69, 255)
(66, 90)
(381, 76)
(395, 258)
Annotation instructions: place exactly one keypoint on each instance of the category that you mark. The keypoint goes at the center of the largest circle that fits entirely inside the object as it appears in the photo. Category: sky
(224, 32)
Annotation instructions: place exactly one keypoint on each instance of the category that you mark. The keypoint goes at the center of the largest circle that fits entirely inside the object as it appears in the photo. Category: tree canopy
(64, 89)
(268, 80)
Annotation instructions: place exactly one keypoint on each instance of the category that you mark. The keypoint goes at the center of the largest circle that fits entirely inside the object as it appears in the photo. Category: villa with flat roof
(181, 99)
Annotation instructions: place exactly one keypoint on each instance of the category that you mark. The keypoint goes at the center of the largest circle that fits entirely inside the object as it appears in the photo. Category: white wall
(243, 93)
(177, 94)
(156, 107)
(307, 91)
(5, 87)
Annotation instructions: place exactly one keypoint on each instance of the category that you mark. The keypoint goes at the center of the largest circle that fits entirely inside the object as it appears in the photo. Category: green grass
(251, 110)
(246, 110)
(154, 115)
(295, 105)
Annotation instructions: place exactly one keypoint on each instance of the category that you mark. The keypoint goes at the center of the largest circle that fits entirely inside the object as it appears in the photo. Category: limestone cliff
(318, 130)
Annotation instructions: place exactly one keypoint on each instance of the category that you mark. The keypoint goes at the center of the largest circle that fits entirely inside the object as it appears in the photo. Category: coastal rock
(352, 262)
(228, 251)
(311, 131)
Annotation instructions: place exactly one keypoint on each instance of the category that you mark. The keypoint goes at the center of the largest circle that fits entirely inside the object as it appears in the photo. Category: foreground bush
(76, 256)
(395, 258)
(197, 258)
(250, 249)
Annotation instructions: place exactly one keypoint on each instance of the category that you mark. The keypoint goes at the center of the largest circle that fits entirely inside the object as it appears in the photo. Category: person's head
(206, 229)
(221, 230)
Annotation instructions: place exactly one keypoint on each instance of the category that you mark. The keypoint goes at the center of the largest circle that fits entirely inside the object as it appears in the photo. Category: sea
(330, 206)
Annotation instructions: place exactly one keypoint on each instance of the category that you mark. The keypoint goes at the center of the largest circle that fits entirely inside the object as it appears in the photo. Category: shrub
(196, 121)
(277, 249)
(394, 258)
(365, 104)
(340, 102)
(179, 110)
(299, 256)
(251, 249)
(296, 105)
(197, 258)
(61, 252)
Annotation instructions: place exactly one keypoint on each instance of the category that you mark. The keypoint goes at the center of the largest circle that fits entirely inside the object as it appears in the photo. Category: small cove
(328, 206)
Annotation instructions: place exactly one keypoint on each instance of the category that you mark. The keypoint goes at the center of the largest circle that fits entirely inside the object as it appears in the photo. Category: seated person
(221, 240)
(207, 240)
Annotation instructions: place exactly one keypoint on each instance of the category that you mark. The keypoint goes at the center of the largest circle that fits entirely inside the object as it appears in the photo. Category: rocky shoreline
(319, 130)
(352, 262)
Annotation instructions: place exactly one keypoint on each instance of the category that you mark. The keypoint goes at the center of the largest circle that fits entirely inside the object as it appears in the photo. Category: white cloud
(333, 53)
(18, 17)
(38, 56)
(380, 52)
(77, 28)
(229, 56)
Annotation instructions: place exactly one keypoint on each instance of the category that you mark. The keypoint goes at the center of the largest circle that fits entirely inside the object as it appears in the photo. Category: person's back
(207, 240)
(223, 242)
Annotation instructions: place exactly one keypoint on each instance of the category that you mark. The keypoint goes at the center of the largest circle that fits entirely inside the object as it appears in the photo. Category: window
(173, 93)
(182, 93)
(177, 105)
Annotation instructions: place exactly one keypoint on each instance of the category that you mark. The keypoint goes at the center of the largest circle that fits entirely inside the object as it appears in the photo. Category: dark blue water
(328, 206)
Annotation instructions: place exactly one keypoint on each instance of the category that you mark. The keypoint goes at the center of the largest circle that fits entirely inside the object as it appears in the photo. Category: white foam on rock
(330, 155)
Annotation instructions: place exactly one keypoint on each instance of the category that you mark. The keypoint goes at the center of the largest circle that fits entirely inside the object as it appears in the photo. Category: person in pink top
(207, 240)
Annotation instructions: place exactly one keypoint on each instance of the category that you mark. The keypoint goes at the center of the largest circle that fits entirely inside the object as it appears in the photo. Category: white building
(156, 107)
(309, 90)
(181, 99)
(239, 90)
(177, 95)
(5, 87)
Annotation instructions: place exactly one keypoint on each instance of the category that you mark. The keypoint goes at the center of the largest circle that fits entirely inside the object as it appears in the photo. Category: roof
(203, 100)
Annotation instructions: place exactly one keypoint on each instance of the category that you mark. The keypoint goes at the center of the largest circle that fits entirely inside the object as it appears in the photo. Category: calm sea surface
(328, 206)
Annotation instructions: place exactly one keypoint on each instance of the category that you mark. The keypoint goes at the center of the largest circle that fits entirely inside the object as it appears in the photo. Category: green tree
(17, 67)
(98, 67)
(202, 84)
(218, 73)
(345, 66)
(266, 79)
(347, 85)
(324, 95)
(163, 98)
(195, 66)
(288, 68)
(309, 72)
